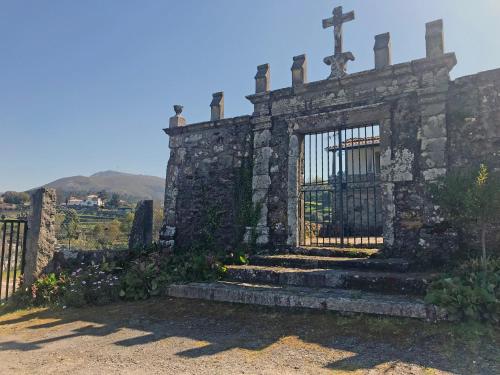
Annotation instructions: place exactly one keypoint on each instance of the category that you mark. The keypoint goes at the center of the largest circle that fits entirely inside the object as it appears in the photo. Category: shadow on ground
(365, 342)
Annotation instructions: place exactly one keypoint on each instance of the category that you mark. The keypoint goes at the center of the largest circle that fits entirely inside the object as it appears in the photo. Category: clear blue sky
(87, 86)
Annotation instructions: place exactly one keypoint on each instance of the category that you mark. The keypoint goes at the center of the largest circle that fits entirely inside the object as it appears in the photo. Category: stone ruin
(427, 125)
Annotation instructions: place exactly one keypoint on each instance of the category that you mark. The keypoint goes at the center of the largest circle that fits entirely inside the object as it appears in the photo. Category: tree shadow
(372, 341)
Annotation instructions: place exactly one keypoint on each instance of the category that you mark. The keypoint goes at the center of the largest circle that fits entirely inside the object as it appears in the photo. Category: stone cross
(339, 60)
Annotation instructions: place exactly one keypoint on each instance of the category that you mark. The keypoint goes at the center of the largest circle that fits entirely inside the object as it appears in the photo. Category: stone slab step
(384, 282)
(331, 252)
(315, 262)
(321, 299)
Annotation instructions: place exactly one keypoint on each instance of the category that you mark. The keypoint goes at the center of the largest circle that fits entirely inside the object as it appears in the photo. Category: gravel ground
(175, 336)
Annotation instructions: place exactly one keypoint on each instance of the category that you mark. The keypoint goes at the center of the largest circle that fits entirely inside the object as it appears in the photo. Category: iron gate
(340, 202)
(13, 241)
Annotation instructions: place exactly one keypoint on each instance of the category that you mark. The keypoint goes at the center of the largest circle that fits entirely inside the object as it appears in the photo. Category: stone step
(331, 252)
(345, 301)
(383, 282)
(315, 262)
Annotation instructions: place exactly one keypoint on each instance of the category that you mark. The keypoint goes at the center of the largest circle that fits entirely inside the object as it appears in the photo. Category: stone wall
(474, 121)
(428, 124)
(474, 131)
(206, 162)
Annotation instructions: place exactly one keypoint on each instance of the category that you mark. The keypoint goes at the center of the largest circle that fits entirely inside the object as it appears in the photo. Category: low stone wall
(72, 259)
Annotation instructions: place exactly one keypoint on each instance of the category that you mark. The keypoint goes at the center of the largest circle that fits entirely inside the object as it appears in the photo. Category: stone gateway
(346, 161)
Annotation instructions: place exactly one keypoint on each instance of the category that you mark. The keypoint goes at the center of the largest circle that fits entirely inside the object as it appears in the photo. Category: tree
(70, 226)
(470, 201)
(115, 200)
(13, 197)
(126, 223)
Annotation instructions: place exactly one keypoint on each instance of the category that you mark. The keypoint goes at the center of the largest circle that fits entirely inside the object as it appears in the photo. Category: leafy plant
(470, 293)
(470, 200)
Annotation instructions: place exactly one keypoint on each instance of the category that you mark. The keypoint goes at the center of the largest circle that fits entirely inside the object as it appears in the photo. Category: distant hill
(127, 185)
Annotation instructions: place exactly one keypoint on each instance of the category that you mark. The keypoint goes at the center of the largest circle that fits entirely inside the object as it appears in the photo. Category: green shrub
(152, 272)
(93, 285)
(470, 293)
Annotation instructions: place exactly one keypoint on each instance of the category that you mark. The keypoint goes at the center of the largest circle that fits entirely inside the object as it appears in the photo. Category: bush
(470, 293)
(94, 285)
(151, 272)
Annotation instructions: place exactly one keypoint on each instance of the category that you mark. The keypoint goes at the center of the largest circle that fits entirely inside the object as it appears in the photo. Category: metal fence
(13, 235)
(340, 201)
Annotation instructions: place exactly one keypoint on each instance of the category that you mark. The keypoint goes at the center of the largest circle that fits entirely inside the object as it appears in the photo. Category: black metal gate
(13, 234)
(340, 203)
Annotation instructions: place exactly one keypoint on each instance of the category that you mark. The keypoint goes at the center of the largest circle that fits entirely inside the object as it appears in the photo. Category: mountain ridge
(136, 186)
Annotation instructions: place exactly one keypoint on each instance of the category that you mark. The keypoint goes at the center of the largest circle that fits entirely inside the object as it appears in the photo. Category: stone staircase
(344, 280)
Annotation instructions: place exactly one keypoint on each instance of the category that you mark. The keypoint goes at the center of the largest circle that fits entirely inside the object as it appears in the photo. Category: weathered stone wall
(473, 123)
(428, 124)
(206, 161)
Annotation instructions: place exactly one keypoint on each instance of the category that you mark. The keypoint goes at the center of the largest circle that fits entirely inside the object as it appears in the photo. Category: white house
(90, 201)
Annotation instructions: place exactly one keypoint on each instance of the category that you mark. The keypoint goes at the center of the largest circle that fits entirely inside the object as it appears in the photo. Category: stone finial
(217, 106)
(263, 78)
(178, 119)
(299, 70)
(434, 39)
(382, 49)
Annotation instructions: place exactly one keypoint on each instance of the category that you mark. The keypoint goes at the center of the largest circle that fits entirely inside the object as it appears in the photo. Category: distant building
(90, 201)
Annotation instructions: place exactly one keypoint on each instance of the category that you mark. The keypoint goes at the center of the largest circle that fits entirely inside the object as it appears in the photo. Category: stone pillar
(141, 234)
(167, 232)
(434, 39)
(177, 120)
(293, 189)
(217, 106)
(263, 78)
(299, 70)
(41, 234)
(261, 180)
(382, 50)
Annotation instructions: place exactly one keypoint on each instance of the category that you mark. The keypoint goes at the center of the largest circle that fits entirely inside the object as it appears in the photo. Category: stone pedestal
(41, 235)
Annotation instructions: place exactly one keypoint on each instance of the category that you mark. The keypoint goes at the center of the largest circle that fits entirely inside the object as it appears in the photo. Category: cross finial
(339, 60)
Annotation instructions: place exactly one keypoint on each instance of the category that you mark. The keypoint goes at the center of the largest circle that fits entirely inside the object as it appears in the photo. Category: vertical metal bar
(367, 194)
(360, 186)
(310, 160)
(341, 192)
(25, 238)
(8, 259)
(374, 190)
(16, 256)
(316, 158)
(322, 157)
(3, 251)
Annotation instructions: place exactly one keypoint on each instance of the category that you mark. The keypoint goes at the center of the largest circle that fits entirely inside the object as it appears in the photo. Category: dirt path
(171, 336)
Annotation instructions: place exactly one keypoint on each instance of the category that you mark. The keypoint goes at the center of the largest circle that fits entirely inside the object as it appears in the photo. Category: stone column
(167, 232)
(293, 188)
(261, 180)
(434, 39)
(217, 106)
(141, 234)
(41, 234)
(299, 70)
(382, 50)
